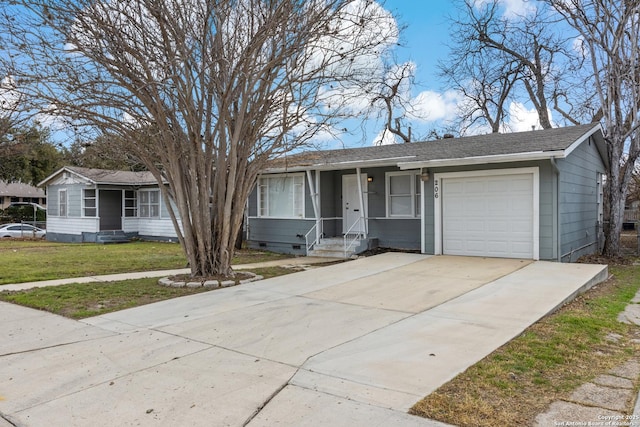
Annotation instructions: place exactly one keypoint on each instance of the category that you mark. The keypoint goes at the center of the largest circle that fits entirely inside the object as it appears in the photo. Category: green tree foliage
(23, 213)
(27, 155)
(101, 153)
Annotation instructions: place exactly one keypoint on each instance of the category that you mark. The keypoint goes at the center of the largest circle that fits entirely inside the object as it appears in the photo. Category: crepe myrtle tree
(204, 93)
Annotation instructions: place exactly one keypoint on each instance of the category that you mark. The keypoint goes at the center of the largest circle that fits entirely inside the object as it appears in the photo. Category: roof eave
(351, 164)
(479, 160)
(59, 171)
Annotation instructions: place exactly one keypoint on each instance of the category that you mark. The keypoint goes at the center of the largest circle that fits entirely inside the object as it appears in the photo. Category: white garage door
(488, 216)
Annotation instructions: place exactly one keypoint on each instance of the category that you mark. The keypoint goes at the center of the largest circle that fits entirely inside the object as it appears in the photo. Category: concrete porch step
(330, 253)
(333, 247)
(115, 236)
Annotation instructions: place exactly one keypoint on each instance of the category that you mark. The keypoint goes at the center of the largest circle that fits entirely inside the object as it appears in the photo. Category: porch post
(361, 199)
(314, 199)
(319, 228)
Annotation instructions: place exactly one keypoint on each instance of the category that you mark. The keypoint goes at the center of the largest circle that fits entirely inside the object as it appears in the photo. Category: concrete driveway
(354, 344)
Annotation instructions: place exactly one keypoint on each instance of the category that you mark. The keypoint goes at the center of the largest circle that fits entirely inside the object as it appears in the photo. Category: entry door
(110, 210)
(351, 203)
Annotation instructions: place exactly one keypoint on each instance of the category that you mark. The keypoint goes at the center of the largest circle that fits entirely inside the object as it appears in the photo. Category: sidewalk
(298, 262)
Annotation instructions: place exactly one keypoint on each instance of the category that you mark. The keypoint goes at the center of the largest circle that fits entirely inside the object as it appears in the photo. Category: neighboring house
(17, 192)
(96, 205)
(632, 204)
(533, 195)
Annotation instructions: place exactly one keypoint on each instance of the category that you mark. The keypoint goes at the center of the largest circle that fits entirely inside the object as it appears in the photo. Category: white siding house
(96, 205)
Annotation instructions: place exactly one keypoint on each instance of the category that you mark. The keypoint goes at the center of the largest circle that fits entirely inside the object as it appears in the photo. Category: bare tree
(203, 92)
(392, 100)
(486, 82)
(609, 39)
(10, 115)
(495, 59)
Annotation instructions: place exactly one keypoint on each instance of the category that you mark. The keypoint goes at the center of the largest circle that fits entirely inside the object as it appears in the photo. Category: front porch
(340, 214)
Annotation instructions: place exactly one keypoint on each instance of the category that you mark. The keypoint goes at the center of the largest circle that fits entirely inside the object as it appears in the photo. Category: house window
(403, 194)
(149, 203)
(281, 196)
(89, 202)
(62, 203)
(130, 203)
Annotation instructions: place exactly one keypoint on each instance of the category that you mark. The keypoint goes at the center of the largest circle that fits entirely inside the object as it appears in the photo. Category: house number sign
(436, 188)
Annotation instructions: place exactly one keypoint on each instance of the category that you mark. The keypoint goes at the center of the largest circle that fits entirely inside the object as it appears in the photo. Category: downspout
(556, 170)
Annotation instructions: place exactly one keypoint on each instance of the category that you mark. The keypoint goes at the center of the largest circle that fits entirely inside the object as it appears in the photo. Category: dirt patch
(378, 251)
(188, 278)
(600, 259)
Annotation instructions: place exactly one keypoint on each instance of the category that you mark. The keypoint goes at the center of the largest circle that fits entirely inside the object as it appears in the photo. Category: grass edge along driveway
(546, 363)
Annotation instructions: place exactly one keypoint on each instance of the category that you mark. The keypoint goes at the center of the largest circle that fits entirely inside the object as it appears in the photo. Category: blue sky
(425, 36)
(427, 30)
(424, 41)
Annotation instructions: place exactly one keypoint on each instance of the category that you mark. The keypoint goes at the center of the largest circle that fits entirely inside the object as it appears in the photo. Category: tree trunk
(616, 219)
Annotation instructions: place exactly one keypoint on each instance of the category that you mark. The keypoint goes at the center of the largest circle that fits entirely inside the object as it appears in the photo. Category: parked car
(21, 230)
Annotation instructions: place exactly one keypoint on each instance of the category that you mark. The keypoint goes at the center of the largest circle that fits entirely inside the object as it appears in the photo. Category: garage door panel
(494, 226)
(488, 215)
(453, 245)
(497, 207)
(474, 226)
(476, 245)
(494, 186)
(522, 185)
(456, 188)
(474, 187)
(498, 248)
(473, 203)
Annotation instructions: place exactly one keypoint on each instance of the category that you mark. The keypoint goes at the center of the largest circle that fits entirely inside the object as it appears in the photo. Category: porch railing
(350, 241)
(316, 232)
(317, 229)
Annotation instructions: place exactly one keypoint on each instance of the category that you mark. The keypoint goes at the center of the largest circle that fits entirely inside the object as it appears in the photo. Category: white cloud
(9, 97)
(579, 47)
(429, 106)
(51, 118)
(522, 119)
(513, 9)
(385, 138)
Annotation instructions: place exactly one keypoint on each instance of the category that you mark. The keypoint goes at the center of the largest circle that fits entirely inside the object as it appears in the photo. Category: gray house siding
(279, 235)
(578, 201)
(567, 189)
(283, 235)
(547, 197)
(396, 233)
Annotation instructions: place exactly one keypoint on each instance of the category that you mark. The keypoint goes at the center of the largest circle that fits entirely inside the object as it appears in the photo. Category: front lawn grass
(79, 301)
(28, 261)
(546, 363)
